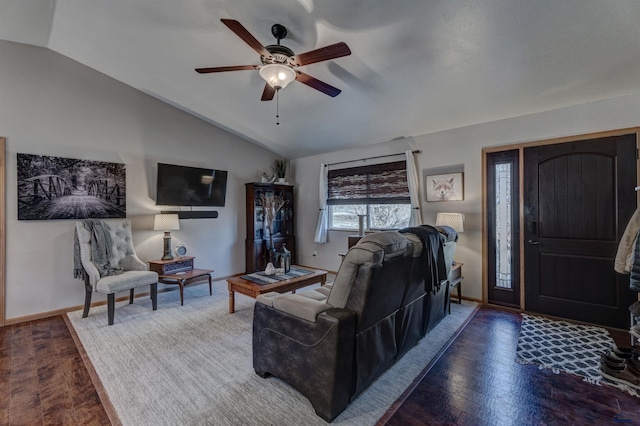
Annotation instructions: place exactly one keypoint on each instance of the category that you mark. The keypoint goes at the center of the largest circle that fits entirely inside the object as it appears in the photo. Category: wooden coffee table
(252, 289)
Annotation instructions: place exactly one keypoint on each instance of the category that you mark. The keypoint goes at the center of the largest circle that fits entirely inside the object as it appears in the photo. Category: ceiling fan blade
(333, 51)
(267, 94)
(317, 84)
(224, 69)
(245, 35)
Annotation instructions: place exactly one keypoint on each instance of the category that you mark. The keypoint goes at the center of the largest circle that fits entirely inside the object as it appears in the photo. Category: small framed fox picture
(445, 187)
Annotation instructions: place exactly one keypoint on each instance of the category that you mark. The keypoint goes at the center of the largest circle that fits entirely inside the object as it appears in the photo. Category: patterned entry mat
(563, 346)
(262, 278)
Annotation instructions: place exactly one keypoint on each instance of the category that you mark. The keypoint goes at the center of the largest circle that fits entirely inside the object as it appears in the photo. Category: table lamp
(166, 223)
(452, 220)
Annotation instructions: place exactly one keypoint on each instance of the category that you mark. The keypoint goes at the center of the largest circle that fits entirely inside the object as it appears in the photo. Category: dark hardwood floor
(478, 382)
(43, 381)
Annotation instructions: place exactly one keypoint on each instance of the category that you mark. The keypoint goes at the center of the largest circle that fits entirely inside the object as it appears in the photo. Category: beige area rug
(192, 364)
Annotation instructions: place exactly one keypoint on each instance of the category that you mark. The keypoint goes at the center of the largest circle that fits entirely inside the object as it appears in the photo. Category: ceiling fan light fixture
(277, 75)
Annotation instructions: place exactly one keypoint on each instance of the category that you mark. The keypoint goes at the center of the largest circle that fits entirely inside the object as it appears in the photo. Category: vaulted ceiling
(417, 66)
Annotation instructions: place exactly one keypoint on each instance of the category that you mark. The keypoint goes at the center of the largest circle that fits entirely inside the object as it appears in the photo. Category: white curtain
(323, 214)
(414, 189)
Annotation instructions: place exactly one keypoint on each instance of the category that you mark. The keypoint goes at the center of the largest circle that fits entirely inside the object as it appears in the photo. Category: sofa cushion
(393, 243)
(325, 289)
(313, 294)
(121, 244)
(300, 306)
(267, 298)
(365, 254)
(125, 281)
(123, 254)
(370, 250)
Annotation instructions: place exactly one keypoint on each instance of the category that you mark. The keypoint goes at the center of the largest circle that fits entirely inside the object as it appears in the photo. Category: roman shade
(376, 184)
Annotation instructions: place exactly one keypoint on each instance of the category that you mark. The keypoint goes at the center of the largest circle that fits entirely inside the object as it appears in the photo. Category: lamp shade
(452, 220)
(166, 222)
(277, 75)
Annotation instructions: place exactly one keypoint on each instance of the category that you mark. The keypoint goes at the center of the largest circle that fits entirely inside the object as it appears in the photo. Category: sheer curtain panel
(321, 229)
(414, 189)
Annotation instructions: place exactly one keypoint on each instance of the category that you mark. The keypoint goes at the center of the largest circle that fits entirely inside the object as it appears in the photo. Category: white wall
(458, 146)
(51, 105)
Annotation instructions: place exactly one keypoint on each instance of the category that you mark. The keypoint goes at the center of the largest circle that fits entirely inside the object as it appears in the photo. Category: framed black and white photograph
(68, 188)
(444, 187)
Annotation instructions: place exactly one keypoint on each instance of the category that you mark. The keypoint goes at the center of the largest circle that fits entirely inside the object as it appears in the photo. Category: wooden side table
(179, 271)
(456, 281)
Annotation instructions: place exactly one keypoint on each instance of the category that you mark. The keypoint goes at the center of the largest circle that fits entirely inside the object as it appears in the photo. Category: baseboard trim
(472, 299)
(505, 308)
(48, 314)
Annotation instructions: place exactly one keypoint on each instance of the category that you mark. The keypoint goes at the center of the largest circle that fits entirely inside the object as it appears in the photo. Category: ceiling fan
(279, 63)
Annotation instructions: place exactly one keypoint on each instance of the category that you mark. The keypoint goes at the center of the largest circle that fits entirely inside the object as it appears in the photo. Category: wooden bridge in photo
(53, 197)
(36, 189)
(108, 190)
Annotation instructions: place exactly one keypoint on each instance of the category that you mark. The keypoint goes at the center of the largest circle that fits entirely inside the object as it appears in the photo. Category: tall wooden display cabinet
(257, 241)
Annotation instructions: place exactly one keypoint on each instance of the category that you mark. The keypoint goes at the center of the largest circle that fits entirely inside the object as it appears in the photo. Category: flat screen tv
(190, 186)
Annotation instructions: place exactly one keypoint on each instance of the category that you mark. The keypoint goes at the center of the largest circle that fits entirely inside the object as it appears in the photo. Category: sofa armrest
(267, 298)
(92, 273)
(316, 358)
(295, 304)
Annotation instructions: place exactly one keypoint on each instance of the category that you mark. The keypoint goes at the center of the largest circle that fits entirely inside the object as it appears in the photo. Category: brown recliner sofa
(332, 342)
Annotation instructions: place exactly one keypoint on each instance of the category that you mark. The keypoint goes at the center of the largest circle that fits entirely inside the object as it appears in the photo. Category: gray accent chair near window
(120, 270)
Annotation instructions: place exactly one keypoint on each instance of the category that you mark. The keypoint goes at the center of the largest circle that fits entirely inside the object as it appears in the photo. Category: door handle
(534, 243)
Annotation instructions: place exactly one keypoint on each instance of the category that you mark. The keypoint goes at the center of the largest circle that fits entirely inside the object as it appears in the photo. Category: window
(502, 213)
(503, 209)
(379, 191)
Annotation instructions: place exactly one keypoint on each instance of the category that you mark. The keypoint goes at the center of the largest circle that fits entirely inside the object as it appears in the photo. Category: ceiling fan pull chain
(277, 108)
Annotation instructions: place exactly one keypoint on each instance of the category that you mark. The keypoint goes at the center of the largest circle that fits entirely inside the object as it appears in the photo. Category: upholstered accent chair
(120, 269)
(331, 343)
